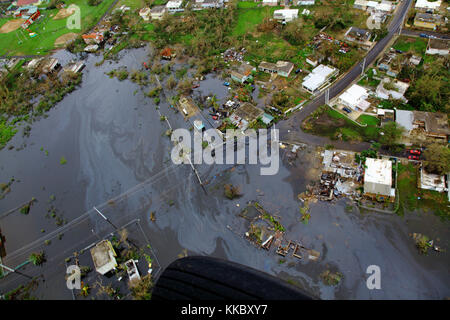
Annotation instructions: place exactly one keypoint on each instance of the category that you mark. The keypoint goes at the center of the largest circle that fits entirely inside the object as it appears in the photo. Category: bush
(231, 191)
(37, 258)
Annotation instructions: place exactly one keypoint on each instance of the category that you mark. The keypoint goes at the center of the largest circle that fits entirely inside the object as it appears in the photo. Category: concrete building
(319, 78)
(157, 12)
(355, 97)
(378, 178)
(243, 73)
(427, 20)
(282, 68)
(207, 4)
(285, 15)
(425, 5)
(438, 46)
(174, 6)
(374, 6)
(433, 125)
(103, 255)
(245, 115)
(271, 3)
(431, 181)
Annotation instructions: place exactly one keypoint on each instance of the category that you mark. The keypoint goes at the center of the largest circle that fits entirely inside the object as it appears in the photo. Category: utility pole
(327, 96)
(107, 220)
(15, 271)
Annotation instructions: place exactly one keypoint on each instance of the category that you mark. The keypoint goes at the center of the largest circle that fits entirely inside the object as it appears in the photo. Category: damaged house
(360, 37)
(243, 73)
(282, 68)
(429, 125)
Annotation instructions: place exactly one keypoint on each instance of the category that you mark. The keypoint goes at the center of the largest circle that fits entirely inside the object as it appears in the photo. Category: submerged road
(290, 129)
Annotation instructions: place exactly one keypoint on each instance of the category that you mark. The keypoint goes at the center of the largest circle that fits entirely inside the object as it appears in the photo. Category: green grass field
(369, 120)
(416, 45)
(48, 30)
(249, 18)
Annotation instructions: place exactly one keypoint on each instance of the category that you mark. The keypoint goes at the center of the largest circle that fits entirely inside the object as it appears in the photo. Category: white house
(374, 6)
(355, 97)
(378, 177)
(425, 5)
(285, 15)
(319, 78)
(174, 6)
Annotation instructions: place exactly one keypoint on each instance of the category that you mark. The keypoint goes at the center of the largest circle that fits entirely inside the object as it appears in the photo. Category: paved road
(290, 129)
(415, 33)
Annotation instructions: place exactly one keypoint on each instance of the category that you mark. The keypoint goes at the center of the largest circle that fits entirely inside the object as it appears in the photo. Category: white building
(431, 181)
(425, 5)
(103, 255)
(378, 177)
(306, 2)
(207, 4)
(271, 3)
(174, 6)
(285, 15)
(374, 6)
(355, 97)
(319, 78)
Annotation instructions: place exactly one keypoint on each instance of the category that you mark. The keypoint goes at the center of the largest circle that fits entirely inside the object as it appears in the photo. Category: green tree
(437, 158)
(390, 133)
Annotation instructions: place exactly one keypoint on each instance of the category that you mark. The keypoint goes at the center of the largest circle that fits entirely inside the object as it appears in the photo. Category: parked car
(347, 110)
(226, 83)
(414, 152)
(413, 157)
(298, 70)
(423, 35)
(195, 86)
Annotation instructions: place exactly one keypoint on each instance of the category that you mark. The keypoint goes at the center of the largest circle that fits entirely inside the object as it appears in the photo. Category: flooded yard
(118, 160)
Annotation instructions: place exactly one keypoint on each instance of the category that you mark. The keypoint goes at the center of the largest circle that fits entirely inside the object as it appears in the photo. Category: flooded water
(118, 159)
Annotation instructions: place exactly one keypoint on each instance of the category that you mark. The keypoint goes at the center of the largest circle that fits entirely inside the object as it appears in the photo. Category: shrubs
(231, 191)
(331, 279)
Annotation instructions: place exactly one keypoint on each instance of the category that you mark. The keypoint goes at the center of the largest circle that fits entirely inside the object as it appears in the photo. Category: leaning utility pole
(107, 220)
(15, 271)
